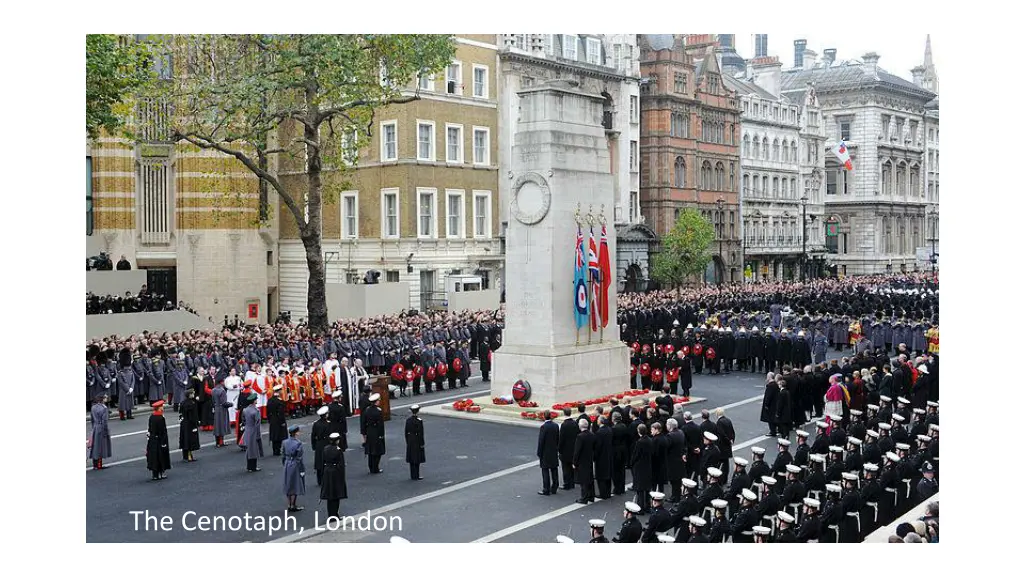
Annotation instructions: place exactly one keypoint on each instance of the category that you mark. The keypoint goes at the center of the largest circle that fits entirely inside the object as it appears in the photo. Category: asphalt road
(480, 482)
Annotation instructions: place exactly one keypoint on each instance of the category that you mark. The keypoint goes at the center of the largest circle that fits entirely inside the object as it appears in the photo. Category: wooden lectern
(379, 384)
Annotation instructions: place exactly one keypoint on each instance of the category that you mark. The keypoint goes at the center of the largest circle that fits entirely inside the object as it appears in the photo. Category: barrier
(101, 325)
(883, 533)
(475, 300)
(114, 282)
(346, 301)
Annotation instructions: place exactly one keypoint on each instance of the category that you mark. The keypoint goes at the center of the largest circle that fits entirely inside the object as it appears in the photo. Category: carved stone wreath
(531, 198)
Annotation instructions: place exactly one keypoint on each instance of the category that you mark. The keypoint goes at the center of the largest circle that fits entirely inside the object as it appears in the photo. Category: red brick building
(689, 143)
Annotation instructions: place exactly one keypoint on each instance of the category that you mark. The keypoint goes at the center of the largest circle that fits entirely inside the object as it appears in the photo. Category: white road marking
(309, 533)
(740, 403)
(461, 457)
(528, 523)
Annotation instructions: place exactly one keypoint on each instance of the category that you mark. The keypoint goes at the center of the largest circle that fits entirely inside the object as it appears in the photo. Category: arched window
(785, 150)
(775, 187)
(887, 178)
(785, 188)
(764, 186)
(746, 145)
(757, 147)
(705, 176)
(775, 150)
(757, 185)
(746, 185)
(915, 181)
(901, 179)
(764, 148)
(720, 176)
(732, 177)
(794, 151)
(680, 174)
(792, 187)
(686, 124)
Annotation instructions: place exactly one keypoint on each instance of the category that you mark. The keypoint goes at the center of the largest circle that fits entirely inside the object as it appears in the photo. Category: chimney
(918, 72)
(767, 72)
(760, 45)
(830, 56)
(798, 52)
(810, 58)
(871, 61)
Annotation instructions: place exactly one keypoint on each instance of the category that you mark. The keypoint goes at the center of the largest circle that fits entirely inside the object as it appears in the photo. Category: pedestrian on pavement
(334, 487)
(415, 444)
(158, 454)
(99, 438)
(294, 468)
(547, 453)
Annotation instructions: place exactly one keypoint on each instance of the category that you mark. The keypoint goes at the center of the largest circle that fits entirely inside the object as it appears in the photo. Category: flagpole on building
(590, 281)
(604, 281)
(579, 234)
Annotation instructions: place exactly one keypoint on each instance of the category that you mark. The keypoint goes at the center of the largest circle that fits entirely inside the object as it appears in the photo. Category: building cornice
(555, 63)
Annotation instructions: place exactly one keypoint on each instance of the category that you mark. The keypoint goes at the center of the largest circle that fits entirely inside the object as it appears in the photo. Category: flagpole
(587, 275)
(579, 234)
(604, 281)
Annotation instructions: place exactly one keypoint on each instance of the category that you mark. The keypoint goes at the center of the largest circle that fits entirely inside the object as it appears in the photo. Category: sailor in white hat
(697, 535)
(802, 449)
(849, 528)
(785, 528)
(666, 538)
(660, 520)
(371, 427)
(597, 531)
(631, 530)
(740, 479)
(719, 529)
(854, 458)
(810, 526)
(761, 534)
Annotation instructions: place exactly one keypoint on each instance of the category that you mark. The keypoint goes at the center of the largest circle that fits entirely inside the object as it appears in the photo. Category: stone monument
(560, 171)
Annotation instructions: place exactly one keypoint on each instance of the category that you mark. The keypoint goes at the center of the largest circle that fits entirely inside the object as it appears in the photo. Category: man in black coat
(676, 459)
(603, 459)
(547, 452)
(566, 445)
(337, 415)
(583, 462)
(415, 444)
(371, 426)
(693, 443)
(768, 406)
(641, 461)
(276, 419)
(711, 457)
(809, 529)
(783, 411)
(620, 453)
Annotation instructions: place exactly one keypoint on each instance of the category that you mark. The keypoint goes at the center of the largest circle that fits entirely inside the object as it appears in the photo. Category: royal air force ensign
(581, 296)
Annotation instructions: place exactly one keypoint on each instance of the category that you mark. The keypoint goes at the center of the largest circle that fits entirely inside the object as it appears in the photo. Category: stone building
(689, 143)
(422, 201)
(880, 207)
(926, 77)
(782, 177)
(603, 64)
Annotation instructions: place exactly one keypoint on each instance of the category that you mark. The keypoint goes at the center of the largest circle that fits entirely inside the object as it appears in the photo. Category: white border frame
(487, 158)
(344, 195)
(432, 233)
(459, 83)
(490, 213)
(384, 192)
(462, 144)
(433, 140)
(461, 194)
(487, 81)
(383, 143)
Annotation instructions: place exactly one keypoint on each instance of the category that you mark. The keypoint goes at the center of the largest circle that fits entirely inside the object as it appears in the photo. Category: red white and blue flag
(595, 281)
(581, 300)
(843, 153)
(605, 264)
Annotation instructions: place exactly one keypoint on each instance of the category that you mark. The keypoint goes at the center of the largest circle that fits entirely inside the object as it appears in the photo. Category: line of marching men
(839, 487)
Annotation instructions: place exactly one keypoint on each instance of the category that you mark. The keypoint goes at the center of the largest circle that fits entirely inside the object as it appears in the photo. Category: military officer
(631, 530)
(597, 531)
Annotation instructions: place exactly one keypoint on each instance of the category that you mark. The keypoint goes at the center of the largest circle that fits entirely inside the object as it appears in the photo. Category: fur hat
(124, 358)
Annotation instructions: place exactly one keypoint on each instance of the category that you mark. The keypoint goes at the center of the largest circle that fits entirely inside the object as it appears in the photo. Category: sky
(898, 52)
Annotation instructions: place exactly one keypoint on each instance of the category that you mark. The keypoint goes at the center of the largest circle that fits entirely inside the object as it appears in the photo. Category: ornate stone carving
(531, 198)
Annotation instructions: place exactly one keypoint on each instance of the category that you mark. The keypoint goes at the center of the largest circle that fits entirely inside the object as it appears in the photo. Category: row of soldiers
(839, 487)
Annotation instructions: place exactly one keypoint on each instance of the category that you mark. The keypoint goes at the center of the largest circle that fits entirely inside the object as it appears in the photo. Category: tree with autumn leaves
(685, 250)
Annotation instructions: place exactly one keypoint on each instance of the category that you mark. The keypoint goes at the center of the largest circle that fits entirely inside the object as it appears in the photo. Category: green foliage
(115, 69)
(685, 250)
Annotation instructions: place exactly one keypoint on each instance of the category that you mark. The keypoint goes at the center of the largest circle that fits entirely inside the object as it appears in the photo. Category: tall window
(775, 150)
(634, 155)
(594, 51)
(901, 179)
(427, 212)
(720, 176)
(549, 44)
(389, 213)
(844, 129)
(793, 154)
(453, 78)
(680, 173)
(706, 176)
(732, 177)
(775, 187)
(915, 181)
(785, 188)
(350, 146)
(680, 83)
(455, 212)
(569, 46)
(481, 146)
(88, 196)
(757, 147)
(388, 141)
(764, 148)
(424, 140)
(519, 41)
(746, 145)
(481, 214)
(887, 178)
(453, 149)
(634, 205)
(831, 180)
(426, 82)
(746, 185)
(792, 187)
(634, 109)
(350, 215)
(480, 86)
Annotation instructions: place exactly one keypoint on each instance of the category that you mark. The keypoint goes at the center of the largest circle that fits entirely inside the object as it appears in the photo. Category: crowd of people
(148, 367)
(858, 473)
(144, 301)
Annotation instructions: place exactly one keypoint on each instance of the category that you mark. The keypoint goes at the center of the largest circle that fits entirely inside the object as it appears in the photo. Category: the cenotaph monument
(561, 178)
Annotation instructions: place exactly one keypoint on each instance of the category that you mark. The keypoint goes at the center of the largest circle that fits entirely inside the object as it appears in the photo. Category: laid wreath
(527, 404)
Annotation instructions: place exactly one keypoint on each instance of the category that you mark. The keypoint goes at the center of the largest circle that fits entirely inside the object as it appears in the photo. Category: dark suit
(547, 452)
(603, 457)
(583, 464)
(620, 457)
(566, 445)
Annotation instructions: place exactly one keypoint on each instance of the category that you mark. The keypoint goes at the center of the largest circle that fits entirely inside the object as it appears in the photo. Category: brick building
(689, 143)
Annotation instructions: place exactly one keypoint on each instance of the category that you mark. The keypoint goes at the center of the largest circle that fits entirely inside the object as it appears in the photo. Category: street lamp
(721, 237)
(803, 257)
